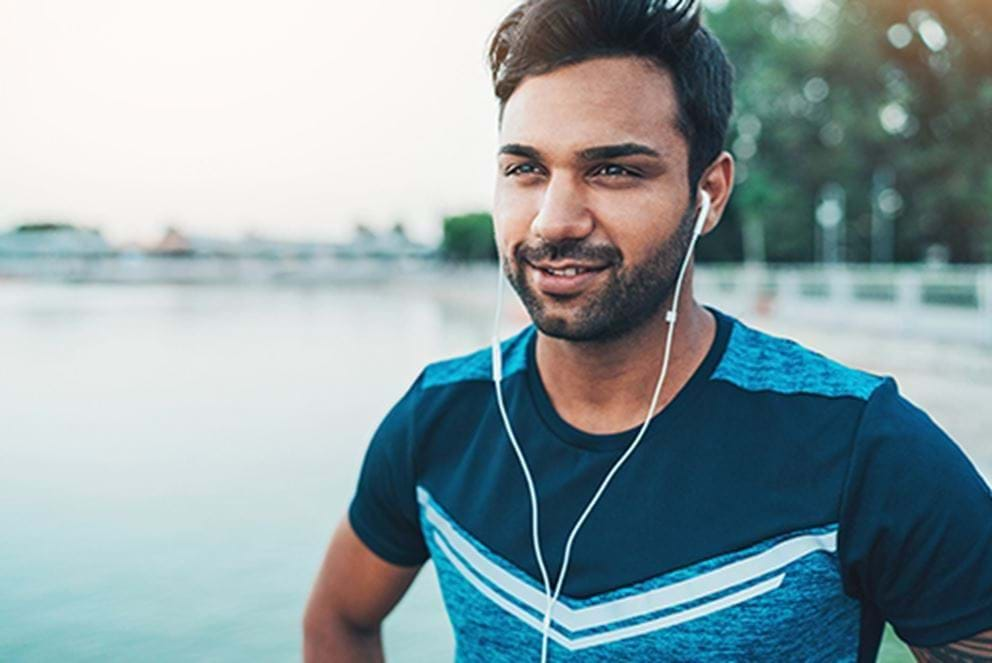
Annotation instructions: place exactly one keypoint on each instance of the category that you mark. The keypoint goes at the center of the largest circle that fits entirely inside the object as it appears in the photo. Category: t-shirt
(781, 507)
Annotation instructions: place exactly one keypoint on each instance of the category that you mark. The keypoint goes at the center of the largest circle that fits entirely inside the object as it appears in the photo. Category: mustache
(569, 249)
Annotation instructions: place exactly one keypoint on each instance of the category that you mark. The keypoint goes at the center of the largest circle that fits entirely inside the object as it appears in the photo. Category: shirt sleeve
(384, 512)
(915, 533)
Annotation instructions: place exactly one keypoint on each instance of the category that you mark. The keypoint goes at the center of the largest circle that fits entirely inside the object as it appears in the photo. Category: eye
(527, 168)
(615, 170)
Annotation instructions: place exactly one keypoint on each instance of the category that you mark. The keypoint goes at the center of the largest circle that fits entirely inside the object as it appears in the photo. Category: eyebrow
(589, 154)
(614, 151)
(518, 150)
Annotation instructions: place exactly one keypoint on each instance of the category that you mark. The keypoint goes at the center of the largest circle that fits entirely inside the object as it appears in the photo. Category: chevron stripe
(526, 601)
(584, 642)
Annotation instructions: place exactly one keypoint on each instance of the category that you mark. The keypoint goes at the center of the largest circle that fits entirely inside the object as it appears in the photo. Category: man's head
(613, 114)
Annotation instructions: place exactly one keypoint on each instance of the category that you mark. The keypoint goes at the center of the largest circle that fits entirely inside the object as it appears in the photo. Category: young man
(777, 506)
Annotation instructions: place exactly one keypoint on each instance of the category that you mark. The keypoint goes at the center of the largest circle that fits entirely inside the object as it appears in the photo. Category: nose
(563, 214)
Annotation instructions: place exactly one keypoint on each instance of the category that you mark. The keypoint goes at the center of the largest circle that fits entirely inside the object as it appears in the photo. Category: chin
(577, 328)
(556, 328)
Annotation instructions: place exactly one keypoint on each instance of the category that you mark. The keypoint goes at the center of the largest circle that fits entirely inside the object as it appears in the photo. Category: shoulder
(756, 361)
(477, 366)
(896, 433)
(461, 382)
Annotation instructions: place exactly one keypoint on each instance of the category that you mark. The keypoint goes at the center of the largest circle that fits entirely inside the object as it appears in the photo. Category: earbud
(704, 212)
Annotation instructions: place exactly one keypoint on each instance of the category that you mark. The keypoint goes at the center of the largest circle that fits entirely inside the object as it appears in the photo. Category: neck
(606, 387)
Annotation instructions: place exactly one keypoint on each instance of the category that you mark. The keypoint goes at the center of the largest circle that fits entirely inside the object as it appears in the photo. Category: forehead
(599, 101)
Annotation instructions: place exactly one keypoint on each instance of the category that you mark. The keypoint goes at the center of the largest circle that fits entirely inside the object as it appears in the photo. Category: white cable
(497, 359)
(497, 376)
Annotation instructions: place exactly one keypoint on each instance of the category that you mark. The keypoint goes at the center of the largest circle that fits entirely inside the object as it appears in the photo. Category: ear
(718, 181)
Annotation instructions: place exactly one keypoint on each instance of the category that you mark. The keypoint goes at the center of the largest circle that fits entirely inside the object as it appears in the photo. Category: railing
(943, 303)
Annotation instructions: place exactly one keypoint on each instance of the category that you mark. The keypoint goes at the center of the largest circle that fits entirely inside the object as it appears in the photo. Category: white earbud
(704, 213)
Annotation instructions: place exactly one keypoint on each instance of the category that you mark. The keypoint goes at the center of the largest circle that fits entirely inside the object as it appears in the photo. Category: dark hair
(539, 36)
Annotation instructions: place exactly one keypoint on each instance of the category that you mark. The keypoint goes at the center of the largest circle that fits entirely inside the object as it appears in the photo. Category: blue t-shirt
(781, 507)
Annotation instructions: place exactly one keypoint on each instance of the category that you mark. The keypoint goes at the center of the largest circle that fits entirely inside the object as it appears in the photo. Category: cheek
(514, 211)
(637, 224)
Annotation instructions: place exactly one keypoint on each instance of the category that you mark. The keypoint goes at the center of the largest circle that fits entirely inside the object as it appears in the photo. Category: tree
(891, 102)
(469, 237)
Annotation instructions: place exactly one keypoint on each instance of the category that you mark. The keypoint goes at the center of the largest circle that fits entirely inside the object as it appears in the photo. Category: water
(174, 459)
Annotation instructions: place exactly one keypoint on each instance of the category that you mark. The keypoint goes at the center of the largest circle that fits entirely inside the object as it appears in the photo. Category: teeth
(570, 271)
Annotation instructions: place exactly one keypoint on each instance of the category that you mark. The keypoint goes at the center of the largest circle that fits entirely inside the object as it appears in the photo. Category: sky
(288, 119)
(294, 119)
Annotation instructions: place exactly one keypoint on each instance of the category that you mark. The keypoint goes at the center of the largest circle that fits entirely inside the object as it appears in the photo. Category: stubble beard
(630, 297)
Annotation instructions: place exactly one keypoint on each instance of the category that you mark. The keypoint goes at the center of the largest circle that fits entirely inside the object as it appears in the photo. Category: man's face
(592, 196)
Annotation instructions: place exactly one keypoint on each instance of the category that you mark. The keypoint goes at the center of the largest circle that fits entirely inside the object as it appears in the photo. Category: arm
(972, 650)
(353, 593)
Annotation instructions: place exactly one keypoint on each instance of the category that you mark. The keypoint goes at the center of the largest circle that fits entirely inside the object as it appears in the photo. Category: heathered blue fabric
(767, 444)
(760, 362)
(479, 365)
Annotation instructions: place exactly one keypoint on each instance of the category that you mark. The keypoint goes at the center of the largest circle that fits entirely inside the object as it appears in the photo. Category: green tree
(469, 237)
(890, 100)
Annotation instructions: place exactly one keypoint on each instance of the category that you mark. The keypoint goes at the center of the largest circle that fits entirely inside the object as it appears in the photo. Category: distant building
(263, 247)
(173, 243)
(365, 244)
(177, 243)
(393, 243)
(53, 240)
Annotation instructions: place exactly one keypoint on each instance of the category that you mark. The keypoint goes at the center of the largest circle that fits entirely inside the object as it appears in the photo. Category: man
(778, 506)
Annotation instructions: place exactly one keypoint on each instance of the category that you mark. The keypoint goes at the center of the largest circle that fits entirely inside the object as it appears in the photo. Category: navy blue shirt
(781, 507)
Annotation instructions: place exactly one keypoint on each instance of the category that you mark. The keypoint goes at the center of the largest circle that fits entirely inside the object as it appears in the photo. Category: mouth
(565, 279)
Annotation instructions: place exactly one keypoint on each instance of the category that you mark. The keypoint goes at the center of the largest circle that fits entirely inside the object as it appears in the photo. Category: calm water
(175, 458)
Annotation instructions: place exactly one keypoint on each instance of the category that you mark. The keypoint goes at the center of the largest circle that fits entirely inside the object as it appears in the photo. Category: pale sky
(289, 118)
(292, 119)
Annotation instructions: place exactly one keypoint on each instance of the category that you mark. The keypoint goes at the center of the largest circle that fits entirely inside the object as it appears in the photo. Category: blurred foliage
(469, 237)
(884, 103)
(889, 101)
(42, 227)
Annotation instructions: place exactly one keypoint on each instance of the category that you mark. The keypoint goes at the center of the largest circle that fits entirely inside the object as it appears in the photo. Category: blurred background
(232, 233)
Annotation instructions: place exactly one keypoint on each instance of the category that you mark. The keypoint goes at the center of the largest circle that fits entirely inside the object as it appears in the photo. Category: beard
(631, 296)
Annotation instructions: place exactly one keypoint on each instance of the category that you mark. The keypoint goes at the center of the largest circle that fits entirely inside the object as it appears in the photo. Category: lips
(566, 278)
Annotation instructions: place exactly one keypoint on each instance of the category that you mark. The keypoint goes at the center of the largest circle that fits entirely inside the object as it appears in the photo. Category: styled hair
(539, 36)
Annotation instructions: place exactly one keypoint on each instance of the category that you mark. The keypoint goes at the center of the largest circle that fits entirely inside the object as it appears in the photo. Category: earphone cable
(497, 376)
